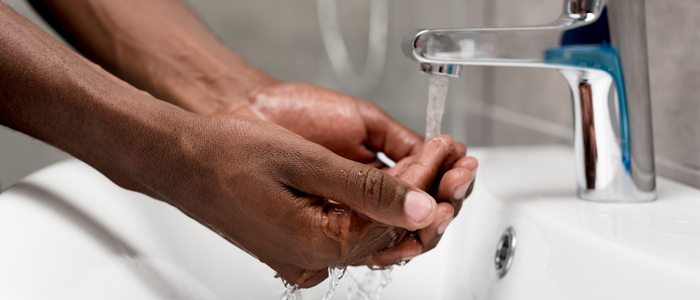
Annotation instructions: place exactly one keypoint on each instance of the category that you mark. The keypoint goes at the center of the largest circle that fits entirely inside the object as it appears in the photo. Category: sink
(69, 233)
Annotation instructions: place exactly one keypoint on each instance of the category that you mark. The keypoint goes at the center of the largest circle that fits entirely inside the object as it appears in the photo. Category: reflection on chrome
(600, 48)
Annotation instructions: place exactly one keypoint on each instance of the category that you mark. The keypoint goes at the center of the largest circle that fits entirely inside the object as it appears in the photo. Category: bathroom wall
(486, 107)
(524, 106)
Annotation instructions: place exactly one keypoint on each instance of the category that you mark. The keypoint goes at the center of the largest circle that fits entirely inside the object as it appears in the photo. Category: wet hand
(450, 179)
(269, 191)
(357, 129)
(350, 127)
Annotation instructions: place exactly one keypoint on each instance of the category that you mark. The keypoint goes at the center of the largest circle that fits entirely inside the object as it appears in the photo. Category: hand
(350, 127)
(452, 182)
(356, 129)
(265, 189)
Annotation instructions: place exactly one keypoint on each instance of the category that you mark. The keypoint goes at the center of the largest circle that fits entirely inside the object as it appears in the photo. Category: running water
(293, 292)
(366, 285)
(437, 92)
(334, 274)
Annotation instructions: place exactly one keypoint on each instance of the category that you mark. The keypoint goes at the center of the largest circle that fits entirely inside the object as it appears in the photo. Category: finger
(376, 163)
(454, 184)
(430, 236)
(406, 250)
(468, 162)
(457, 152)
(312, 278)
(425, 167)
(471, 164)
(367, 190)
(386, 134)
(401, 166)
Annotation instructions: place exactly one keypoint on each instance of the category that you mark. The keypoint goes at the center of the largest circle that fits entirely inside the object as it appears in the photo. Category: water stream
(334, 274)
(437, 93)
(368, 284)
(292, 292)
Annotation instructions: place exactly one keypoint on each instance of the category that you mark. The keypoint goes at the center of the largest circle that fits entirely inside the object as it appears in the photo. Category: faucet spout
(498, 46)
(599, 47)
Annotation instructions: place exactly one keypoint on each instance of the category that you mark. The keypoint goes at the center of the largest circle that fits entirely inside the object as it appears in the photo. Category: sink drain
(504, 252)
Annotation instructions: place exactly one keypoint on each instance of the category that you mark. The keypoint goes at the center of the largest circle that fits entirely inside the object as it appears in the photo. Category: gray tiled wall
(673, 30)
(487, 106)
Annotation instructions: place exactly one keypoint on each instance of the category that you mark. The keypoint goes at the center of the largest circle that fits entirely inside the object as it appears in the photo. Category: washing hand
(292, 203)
(357, 129)
(259, 185)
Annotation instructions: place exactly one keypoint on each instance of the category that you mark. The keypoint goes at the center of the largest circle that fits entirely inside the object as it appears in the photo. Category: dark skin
(285, 171)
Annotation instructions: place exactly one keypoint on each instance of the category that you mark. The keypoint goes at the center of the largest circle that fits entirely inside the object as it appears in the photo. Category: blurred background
(485, 107)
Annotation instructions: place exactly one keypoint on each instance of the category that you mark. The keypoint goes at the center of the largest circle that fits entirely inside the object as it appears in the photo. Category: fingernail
(417, 206)
(443, 226)
(461, 190)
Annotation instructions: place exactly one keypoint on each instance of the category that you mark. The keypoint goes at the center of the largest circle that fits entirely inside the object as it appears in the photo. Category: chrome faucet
(599, 46)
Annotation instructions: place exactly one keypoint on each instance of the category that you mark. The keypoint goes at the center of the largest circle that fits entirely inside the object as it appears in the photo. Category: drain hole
(504, 252)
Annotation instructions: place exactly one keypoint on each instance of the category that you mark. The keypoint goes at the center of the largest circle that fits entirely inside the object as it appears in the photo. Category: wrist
(204, 79)
(215, 91)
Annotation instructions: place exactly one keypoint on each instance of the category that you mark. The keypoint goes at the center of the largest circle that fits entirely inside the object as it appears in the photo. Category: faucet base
(600, 48)
(604, 167)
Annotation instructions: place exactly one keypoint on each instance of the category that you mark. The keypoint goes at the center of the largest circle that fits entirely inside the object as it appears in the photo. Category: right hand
(266, 190)
(441, 168)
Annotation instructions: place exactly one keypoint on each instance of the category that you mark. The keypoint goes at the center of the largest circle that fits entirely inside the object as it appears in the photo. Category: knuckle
(374, 189)
(373, 107)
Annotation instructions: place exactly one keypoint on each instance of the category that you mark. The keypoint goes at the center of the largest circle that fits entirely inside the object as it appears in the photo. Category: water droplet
(292, 292)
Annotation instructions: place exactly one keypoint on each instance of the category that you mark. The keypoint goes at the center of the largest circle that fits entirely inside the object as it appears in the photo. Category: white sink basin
(67, 232)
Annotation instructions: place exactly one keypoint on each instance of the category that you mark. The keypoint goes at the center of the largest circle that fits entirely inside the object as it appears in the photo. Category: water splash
(437, 93)
(334, 274)
(292, 292)
(368, 284)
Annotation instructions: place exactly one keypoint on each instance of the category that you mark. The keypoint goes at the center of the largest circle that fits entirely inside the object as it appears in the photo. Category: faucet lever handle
(582, 10)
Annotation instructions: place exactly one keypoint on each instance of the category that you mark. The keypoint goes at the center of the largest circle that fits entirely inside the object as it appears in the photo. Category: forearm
(159, 46)
(51, 93)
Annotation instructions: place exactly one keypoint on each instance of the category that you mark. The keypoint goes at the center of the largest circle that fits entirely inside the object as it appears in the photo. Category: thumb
(369, 191)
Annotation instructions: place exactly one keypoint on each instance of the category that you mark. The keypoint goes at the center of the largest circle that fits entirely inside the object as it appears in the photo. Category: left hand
(350, 127)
